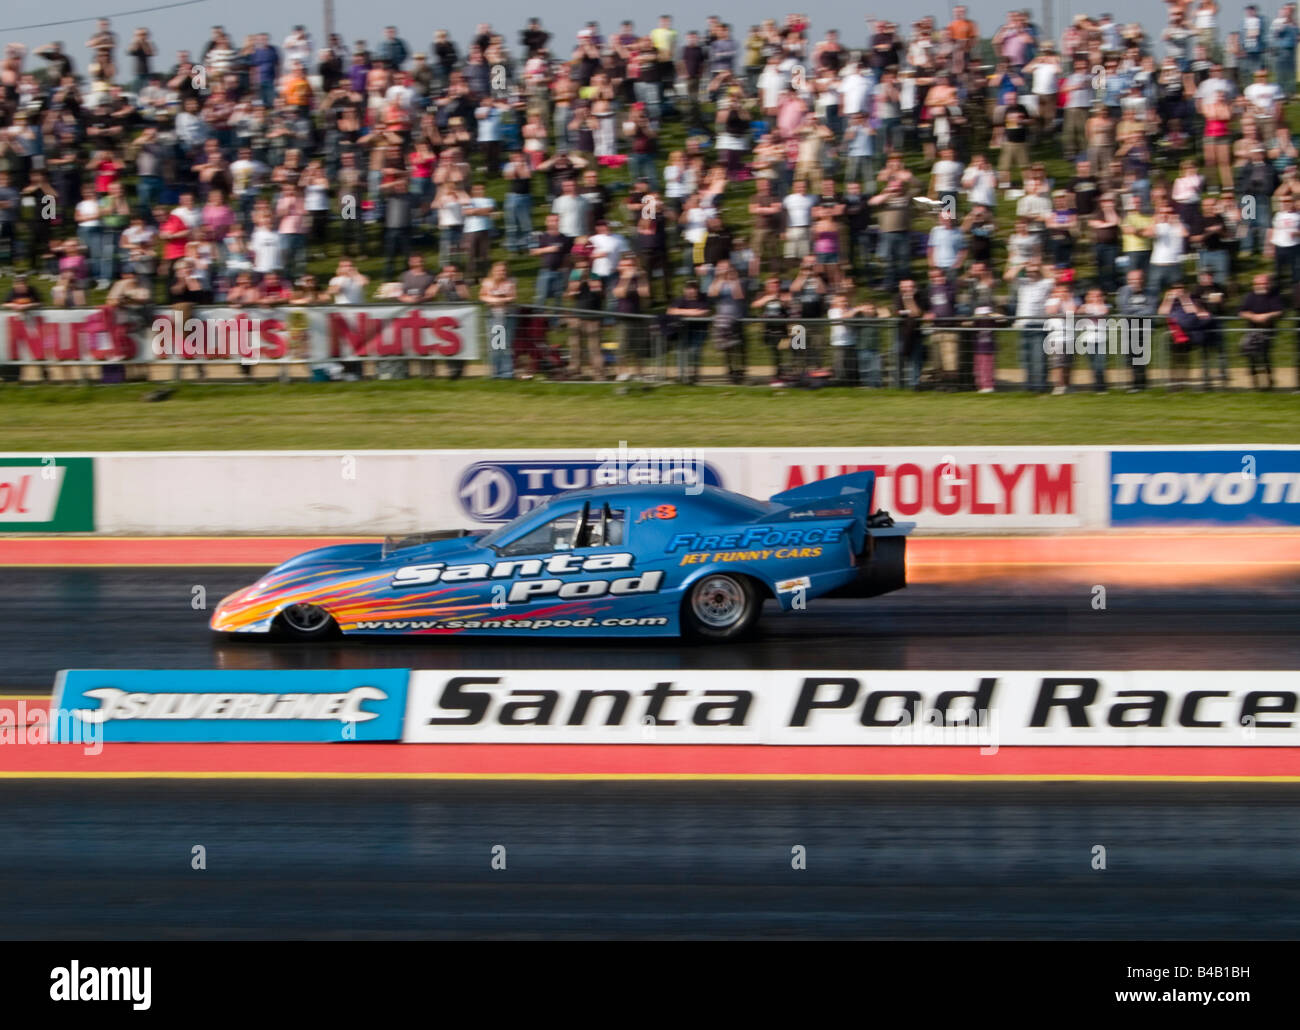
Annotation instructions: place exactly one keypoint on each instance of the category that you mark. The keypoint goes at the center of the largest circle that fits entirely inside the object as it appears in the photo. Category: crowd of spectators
(840, 204)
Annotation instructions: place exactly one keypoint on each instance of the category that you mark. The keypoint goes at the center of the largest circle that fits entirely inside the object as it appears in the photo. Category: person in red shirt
(273, 290)
(175, 233)
(107, 168)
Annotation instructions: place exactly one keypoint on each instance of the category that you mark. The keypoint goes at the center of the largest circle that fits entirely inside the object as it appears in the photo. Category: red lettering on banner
(28, 335)
(274, 345)
(447, 330)
(402, 329)
(904, 472)
(108, 340)
(1052, 491)
(1008, 480)
(978, 507)
(65, 341)
(795, 473)
(952, 504)
(918, 488)
(341, 330)
(14, 499)
(419, 346)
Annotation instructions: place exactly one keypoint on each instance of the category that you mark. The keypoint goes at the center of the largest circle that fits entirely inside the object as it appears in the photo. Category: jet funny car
(663, 560)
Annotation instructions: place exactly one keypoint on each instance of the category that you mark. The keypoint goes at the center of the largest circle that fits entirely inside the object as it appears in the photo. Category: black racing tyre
(305, 622)
(721, 606)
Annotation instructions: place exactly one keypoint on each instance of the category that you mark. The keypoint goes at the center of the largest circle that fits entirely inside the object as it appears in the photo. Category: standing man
(1078, 102)
(664, 38)
(1283, 37)
(1135, 302)
(1032, 290)
(1262, 308)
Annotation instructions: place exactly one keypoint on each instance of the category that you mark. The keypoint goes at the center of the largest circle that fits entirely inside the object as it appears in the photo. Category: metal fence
(957, 354)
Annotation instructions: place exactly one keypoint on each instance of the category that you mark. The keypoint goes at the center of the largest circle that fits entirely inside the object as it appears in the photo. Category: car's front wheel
(305, 622)
(721, 606)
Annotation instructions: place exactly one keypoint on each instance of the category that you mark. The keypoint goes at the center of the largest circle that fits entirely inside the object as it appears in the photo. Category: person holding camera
(585, 292)
(631, 296)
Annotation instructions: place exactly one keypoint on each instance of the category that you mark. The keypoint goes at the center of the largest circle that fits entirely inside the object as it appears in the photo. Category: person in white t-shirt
(798, 218)
(1265, 99)
(946, 177)
(855, 91)
(607, 249)
(1168, 243)
(980, 182)
(264, 243)
(1045, 77)
(1284, 243)
(296, 47)
(348, 285)
(771, 84)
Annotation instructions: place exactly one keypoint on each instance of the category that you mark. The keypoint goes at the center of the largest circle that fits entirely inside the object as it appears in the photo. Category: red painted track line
(1136, 549)
(684, 761)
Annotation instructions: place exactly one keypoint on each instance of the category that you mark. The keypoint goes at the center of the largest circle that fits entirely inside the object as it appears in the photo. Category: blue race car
(662, 560)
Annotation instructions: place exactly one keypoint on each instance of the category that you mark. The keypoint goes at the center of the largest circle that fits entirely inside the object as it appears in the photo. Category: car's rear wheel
(721, 606)
(305, 622)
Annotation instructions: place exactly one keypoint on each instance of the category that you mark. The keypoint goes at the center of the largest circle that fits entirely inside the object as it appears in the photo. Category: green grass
(479, 414)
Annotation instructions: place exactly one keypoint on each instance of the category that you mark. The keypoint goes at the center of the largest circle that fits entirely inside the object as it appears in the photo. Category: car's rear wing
(880, 543)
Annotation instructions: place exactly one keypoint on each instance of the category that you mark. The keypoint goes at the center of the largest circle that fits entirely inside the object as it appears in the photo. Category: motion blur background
(187, 27)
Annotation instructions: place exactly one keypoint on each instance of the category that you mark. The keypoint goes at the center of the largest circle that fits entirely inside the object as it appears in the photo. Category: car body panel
(612, 560)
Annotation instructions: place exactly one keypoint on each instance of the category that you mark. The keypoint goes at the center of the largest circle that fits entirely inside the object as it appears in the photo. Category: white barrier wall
(407, 491)
(376, 492)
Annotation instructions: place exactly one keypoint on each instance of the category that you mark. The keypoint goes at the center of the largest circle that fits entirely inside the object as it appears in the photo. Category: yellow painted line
(26, 697)
(679, 777)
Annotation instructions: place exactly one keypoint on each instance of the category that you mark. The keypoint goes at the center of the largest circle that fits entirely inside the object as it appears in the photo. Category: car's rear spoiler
(879, 542)
(852, 489)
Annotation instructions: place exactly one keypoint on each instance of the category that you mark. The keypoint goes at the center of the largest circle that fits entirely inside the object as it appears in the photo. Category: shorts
(796, 243)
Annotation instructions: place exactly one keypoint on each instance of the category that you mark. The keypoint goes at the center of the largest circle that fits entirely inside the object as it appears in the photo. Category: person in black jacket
(912, 305)
(1212, 296)
(1261, 308)
(1256, 182)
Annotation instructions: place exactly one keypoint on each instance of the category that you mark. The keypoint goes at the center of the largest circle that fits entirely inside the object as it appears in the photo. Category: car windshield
(588, 527)
(494, 538)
